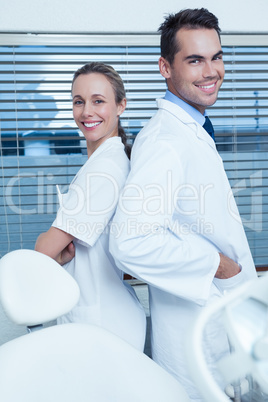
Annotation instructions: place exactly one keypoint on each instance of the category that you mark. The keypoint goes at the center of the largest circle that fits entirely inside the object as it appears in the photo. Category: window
(41, 146)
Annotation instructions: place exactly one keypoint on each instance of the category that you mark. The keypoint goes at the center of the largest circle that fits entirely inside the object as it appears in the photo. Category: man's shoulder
(168, 120)
(152, 130)
(174, 110)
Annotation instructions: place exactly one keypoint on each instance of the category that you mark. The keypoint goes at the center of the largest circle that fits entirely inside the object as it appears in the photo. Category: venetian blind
(41, 147)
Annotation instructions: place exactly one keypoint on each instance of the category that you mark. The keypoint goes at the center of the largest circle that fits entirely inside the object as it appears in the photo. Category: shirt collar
(194, 113)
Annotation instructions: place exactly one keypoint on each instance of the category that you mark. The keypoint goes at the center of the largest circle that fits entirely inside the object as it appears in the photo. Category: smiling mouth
(207, 86)
(90, 125)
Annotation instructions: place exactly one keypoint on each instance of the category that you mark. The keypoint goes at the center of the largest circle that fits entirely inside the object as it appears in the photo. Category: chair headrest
(34, 288)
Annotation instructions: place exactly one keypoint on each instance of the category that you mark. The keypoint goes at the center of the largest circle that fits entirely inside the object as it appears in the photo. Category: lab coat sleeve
(147, 242)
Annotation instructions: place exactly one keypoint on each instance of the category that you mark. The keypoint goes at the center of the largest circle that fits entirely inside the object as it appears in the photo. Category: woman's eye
(78, 102)
(97, 101)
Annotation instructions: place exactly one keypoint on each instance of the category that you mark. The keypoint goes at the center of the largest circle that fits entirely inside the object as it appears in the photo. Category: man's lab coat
(175, 215)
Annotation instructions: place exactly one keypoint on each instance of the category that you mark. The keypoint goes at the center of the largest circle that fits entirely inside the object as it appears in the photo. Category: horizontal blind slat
(35, 104)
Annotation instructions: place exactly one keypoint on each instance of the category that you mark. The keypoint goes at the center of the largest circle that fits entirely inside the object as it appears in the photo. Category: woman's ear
(121, 107)
(164, 67)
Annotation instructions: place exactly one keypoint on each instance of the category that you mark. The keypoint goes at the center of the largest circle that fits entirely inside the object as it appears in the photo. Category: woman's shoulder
(109, 158)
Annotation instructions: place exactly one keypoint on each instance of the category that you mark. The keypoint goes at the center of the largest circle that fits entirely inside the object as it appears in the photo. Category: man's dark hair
(189, 19)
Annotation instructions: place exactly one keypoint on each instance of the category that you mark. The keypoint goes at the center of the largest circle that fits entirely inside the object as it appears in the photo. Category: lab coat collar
(185, 118)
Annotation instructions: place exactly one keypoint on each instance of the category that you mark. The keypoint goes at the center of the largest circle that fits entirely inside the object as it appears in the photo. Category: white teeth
(92, 124)
(206, 86)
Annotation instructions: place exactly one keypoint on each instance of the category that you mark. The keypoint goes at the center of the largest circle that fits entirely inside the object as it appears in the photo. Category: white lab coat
(178, 213)
(85, 212)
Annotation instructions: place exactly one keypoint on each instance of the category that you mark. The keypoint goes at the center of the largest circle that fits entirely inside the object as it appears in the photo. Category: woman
(82, 223)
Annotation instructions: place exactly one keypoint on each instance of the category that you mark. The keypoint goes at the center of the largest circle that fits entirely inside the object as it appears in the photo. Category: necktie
(209, 128)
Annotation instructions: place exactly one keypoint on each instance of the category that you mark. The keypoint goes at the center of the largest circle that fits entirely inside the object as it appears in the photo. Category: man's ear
(164, 67)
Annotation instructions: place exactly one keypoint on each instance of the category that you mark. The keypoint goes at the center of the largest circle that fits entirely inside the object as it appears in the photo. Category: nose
(209, 70)
(88, 109)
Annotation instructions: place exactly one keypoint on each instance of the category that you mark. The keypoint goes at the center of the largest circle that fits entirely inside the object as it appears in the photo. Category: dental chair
(244, 312)
(70, 362)
(83, 363)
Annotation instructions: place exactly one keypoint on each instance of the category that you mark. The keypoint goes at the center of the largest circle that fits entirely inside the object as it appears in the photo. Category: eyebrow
(197, 56)
(98, 95)
(94, 95)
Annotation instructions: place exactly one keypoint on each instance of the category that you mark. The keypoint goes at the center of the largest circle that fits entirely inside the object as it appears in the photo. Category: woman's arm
(67, 254)
(53, 243)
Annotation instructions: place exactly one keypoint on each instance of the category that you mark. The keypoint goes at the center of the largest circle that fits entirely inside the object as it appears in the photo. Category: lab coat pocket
(226, 285)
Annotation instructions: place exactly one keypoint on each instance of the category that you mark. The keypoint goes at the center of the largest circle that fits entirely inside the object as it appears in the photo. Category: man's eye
(78, 102)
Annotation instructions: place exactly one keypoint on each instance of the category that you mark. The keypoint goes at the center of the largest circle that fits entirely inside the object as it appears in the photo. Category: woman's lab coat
(85, 212)
(179, 213)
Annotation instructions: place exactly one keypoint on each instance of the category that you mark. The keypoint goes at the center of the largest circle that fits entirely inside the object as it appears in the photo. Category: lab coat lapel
(204, 136)
(183, 116)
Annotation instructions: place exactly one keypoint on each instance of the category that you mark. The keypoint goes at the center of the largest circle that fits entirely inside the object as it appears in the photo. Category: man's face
(197, 71)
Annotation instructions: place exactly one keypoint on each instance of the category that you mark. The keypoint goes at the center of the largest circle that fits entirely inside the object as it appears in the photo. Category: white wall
(123, 15)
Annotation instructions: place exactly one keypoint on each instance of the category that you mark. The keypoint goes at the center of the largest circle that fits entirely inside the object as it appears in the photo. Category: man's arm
(227, 268)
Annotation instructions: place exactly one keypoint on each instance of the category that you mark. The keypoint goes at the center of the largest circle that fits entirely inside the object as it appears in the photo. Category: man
(180, 229)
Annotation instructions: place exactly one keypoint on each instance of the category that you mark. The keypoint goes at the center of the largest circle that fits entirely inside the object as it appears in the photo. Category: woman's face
(95, 110)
